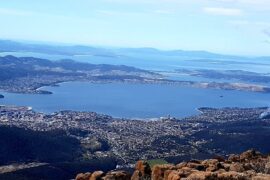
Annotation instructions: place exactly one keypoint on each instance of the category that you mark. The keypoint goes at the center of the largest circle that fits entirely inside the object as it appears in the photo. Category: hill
(22, 150)
(71, 50)
(27, 74)
(21, 145)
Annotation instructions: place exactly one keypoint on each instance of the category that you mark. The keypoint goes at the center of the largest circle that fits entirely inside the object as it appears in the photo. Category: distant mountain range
(14, 46)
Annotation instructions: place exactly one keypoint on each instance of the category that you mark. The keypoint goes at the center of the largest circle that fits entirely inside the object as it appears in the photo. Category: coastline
(153, 119)
(200, 111)
(147, 119)
(201, 85)
(196, 110)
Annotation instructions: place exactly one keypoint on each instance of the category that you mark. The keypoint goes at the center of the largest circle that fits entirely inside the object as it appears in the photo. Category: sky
(239, 27)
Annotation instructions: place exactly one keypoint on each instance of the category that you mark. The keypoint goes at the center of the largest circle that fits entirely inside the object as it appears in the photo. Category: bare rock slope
(250, 165)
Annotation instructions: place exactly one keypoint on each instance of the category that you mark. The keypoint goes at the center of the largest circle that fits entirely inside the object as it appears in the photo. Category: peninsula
(29, 74)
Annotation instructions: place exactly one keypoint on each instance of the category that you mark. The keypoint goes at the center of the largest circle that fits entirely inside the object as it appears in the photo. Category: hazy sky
(226, 26)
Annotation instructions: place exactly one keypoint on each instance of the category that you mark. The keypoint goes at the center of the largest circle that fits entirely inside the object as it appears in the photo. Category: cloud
(240, 22)
(127, 13)
(266, 32)
(14, 12)
(162, 11)
(252, 5)
(143, 1)
(107, 12)
(223, 11)
(260, 24)
(60, 17)
(254, 2)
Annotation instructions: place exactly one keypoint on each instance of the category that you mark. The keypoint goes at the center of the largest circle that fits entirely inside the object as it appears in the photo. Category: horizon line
(70, 44)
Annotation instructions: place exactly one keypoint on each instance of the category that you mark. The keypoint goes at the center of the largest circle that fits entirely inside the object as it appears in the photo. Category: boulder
(196, 166)
(234, 158)
(226, 166)
(212, 165)
(159, 170)
(172, 175)
(82, 176)
(143, 168)
(117, 175)
(219, 158)
(237, 167)
(202, 176)
(97, 175)
(232, 175)
(267, 165)
(249, 155)
(137, 175)
(261, 177)
(181, 165)
(185, 171)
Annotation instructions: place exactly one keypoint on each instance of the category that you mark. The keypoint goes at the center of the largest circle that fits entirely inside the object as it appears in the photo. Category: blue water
(135, 100)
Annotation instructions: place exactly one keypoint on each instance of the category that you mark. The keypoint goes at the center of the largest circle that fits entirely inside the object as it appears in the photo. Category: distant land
(239, 75)
(28, 74)
(72, 50)
(61, 144)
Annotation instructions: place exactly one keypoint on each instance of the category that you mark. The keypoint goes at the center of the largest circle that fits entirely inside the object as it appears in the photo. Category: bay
(134, 100)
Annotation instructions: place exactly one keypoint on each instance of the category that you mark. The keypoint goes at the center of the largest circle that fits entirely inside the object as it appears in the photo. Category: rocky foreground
(250, 165)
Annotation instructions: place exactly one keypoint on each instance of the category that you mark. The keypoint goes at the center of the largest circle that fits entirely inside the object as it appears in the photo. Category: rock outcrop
(99, 175)
(142, 171)
(250, 165)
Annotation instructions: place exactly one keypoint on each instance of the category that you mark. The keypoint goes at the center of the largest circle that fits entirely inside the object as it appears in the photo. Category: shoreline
(197, 110)
(192, 84)
(244, 87)
(164, 118)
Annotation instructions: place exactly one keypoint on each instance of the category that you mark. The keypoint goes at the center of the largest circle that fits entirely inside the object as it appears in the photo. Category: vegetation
(67, 170)
(153, 162)
(21, 145)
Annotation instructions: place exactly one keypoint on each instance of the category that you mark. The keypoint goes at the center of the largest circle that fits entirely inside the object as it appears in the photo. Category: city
(130, 140)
